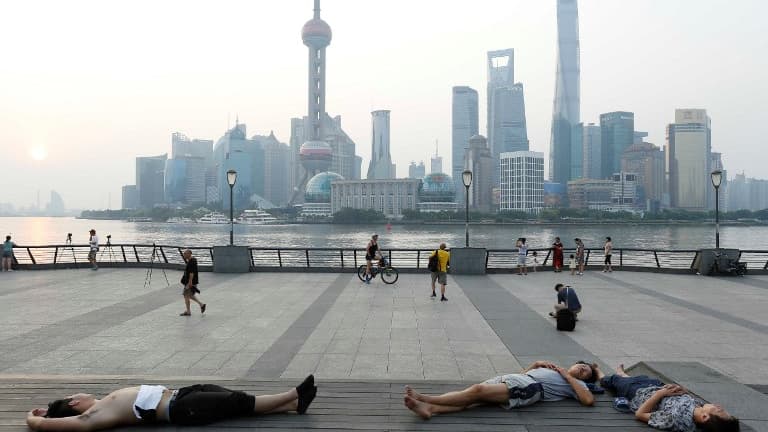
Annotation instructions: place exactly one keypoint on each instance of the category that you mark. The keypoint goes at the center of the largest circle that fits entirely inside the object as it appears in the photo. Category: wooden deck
(341, 406)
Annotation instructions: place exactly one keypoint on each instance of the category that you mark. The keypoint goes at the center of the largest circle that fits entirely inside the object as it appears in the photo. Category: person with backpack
(438, 267)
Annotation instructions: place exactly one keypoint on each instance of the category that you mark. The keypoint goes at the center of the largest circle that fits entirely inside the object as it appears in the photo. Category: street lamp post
(717, 179)
(466, 178)
(231, 180)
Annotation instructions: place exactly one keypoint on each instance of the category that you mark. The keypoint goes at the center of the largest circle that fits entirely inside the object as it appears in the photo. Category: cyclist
(371, 252)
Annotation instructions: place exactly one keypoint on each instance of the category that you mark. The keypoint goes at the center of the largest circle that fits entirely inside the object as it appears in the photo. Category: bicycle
(723, 264)
(389, 274)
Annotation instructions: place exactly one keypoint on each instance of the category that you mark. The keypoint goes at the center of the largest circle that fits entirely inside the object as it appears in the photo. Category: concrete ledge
(468, 261)
(231, 259)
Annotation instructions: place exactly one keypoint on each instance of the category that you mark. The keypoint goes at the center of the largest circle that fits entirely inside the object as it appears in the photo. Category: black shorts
(202, 404)
(608, 259)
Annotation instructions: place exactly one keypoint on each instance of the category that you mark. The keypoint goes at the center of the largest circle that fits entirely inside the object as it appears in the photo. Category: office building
(522, 181)
(624, 194)
(617, 131)
(507, 130)
(417, 171)
(647, 161)
(464, 125)
(130, 197)
(479, 160)
(380, 167)
(590, 194)
(566, 108)
(150, 175)
(688, 163)
(436, 162)
(388, 196)
(592, 149)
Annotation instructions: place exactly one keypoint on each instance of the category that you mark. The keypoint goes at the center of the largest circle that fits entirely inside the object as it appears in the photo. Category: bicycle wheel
(389, 275)
(361, 272)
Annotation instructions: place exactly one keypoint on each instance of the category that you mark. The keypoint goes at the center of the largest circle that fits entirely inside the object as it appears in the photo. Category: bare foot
(620, 370)
(413, 393)
(420, 408)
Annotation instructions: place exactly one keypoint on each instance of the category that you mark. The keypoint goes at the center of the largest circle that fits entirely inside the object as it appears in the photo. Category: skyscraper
(689, 144)
(507, 130)
(380, 167)
(416, 171)
(478, 159)
(464, 125)
(617, 131)
(150, 174)
(566, 110)
(592, 165)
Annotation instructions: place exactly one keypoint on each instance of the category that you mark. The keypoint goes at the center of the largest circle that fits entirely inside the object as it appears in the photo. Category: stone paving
(285, 325)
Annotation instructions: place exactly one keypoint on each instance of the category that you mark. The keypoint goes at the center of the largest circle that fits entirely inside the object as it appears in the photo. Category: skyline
(180, 74)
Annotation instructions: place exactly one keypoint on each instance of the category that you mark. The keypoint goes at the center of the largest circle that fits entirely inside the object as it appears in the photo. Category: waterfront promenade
(364, 341)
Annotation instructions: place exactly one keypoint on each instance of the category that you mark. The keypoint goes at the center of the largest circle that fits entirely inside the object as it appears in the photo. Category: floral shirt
(673, 413)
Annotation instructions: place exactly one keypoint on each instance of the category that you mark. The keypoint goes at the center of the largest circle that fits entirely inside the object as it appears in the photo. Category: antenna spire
(317, 9)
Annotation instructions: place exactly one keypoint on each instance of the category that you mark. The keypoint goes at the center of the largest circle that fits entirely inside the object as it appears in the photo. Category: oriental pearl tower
(315, 154)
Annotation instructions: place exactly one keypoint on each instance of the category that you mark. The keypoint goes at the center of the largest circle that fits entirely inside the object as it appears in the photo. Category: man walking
(93, 242)
(441, 275)
(190, 281)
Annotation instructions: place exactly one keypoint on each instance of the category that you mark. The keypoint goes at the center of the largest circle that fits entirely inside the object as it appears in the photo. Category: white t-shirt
(94, 242)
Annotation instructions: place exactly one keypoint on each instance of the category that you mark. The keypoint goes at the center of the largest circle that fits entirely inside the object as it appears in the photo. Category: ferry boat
(257, 217)
(139, 219)
(214, 218)
(180, 220)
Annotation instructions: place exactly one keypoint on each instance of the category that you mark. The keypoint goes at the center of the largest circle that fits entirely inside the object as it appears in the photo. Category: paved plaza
(276, 327)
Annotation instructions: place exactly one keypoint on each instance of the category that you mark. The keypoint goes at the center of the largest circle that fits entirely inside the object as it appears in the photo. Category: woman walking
(557, 255)
(608, 248)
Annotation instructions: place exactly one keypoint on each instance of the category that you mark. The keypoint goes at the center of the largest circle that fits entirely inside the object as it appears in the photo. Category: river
(45, 230)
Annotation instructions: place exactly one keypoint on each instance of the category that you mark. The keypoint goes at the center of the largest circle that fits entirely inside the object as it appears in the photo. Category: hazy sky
(89, 85)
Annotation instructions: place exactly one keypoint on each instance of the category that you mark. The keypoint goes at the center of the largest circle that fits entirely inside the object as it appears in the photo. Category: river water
(43, 230)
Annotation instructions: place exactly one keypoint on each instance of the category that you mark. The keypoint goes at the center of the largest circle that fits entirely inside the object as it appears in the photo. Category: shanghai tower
(565, 114)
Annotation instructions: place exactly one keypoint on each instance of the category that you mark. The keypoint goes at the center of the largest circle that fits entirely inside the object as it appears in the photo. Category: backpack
(566, 320)
(433, 263)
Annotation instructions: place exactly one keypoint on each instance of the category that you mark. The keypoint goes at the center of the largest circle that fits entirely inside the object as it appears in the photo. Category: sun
(38, 153)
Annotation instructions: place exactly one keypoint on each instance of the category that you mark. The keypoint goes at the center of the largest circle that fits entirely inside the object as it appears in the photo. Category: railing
(345, 259)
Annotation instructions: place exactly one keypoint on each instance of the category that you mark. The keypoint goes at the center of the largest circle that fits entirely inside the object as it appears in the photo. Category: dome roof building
(319, 187)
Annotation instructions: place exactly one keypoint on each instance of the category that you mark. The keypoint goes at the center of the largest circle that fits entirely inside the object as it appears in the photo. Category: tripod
(68, 245)
(108, 247)
(148, 278)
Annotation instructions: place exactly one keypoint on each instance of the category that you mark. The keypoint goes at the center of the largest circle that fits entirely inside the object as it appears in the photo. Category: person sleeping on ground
(541, 381)
(198, 404)
(667, 407)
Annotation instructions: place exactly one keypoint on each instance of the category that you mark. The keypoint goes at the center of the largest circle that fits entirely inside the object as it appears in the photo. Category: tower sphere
(316, 33)
(315, 155)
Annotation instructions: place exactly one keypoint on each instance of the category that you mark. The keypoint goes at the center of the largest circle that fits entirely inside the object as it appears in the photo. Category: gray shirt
(555, 386)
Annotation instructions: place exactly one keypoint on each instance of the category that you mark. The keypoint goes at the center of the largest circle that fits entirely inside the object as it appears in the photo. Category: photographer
(93, 242)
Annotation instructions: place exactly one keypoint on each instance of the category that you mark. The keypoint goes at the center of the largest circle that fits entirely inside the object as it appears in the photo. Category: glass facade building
(464, 125)
(617, 131)
(507, 130)
(689, 144)
(566, 110)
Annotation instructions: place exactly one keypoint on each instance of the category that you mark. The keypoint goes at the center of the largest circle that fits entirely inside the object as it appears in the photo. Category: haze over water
(42, 231)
